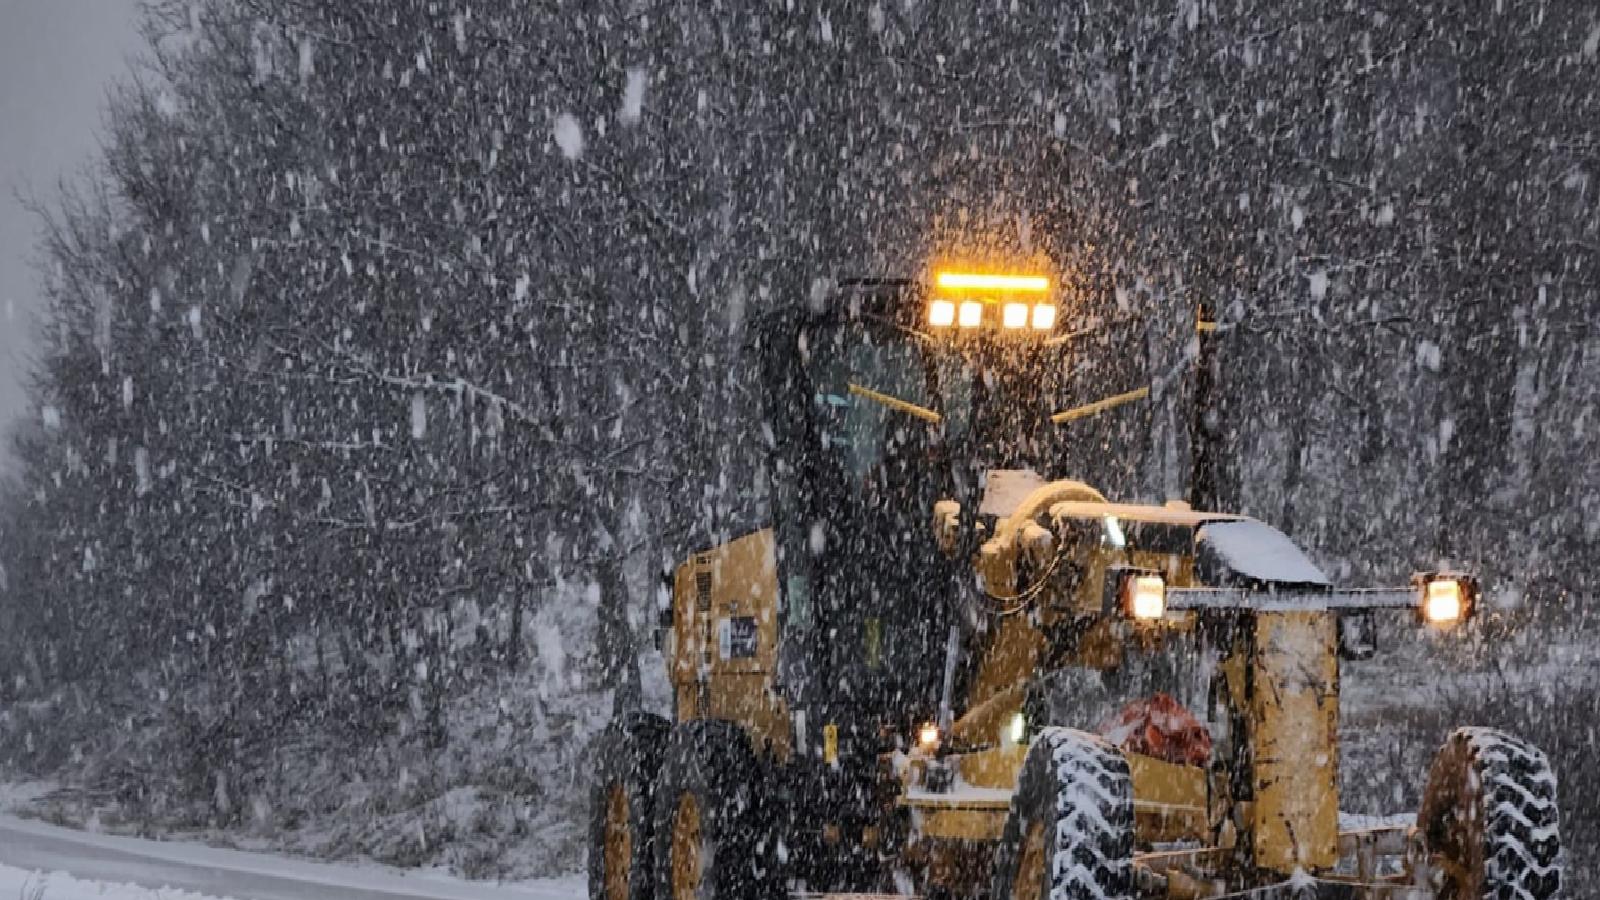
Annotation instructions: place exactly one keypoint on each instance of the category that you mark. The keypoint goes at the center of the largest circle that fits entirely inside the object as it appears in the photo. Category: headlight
(971, 314)
(1017, 728)
(1145, 597)
(1444, 602)
(928, 737)
(1016, 315)
(1044, 317)
(941, 313)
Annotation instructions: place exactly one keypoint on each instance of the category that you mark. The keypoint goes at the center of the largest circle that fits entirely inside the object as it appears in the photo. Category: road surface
(177, 866)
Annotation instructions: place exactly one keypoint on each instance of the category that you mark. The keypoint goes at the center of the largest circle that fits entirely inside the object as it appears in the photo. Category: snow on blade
(1005, 489)
(1257, 550)
(58, 886)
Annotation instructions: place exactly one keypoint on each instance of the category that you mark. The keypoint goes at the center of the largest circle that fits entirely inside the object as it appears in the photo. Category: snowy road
(164, 869)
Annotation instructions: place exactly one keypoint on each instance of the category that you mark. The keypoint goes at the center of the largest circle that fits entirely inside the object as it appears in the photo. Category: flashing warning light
(975, 281)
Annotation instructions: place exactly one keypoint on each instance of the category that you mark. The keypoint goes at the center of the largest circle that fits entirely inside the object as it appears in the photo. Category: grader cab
(935, 673)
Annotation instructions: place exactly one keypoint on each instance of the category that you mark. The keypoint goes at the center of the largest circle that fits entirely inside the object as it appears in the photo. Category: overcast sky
(57, 61)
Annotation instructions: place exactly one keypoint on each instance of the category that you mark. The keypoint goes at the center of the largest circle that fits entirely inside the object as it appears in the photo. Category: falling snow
(388, 367)
(569, 136)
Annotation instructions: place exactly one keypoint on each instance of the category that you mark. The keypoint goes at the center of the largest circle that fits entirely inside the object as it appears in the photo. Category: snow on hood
(1005, 489)
(1257, 550)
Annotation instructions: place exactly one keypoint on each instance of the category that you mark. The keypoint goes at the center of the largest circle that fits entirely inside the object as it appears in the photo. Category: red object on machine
(1161, 727)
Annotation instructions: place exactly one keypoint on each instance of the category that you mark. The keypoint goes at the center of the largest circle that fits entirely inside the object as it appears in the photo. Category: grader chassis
(853, 717)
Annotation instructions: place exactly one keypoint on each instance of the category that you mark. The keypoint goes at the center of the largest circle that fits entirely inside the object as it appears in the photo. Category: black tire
(1490, 821)
(627, 756)
(1073, 805)
(711, 764)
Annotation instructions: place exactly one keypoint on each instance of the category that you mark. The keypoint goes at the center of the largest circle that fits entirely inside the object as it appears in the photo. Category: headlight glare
(1443, 602)
(971, 314)
(1146, 597)
(1016, 315)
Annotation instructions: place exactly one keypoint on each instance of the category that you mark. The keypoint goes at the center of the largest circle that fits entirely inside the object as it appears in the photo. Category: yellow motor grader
(932, 672)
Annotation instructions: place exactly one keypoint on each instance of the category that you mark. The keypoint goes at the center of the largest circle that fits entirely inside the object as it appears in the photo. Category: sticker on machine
(737, 637)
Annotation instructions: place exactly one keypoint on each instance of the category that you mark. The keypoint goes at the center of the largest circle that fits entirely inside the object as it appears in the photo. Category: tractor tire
(1489, 819)
(628, 755)
(716, 833)
(1070, 832)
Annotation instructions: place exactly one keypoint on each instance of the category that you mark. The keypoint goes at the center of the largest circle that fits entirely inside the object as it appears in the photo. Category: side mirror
(1358, 635)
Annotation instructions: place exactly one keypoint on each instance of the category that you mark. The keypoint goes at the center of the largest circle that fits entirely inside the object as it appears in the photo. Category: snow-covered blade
(1184, 599)
(1258, 551)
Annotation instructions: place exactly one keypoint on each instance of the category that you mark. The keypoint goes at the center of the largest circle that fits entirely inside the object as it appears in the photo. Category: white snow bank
(121, 859)
(18, 794)
(57, 886)
(1257, 550)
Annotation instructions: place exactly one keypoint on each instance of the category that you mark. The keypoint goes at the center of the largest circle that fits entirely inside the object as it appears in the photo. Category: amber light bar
(975, 281)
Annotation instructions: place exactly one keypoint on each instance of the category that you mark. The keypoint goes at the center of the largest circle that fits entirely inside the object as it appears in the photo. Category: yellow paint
(1029, 881)
(830, 743)
(895, 403)
(713, 592)
(1013, 651)
(1099, 406)
(983, 723)
(1295, 716)
(963, 824)
(1169, 800)
(1007, 664)
(995, 768)
(618, 858)
(1158, 781)
(686, 865)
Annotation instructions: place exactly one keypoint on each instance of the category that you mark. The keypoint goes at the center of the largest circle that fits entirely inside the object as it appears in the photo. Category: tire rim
(1455, 825)
(687, 861)
(1029, 884)
(618, 845)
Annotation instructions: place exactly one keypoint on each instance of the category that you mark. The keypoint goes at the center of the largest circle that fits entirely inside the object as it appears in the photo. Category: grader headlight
(928, 737)
(972, 300)
(1017, 728)
(1015, 316)
(1145, 597)
(971, 313)
(1446, 601)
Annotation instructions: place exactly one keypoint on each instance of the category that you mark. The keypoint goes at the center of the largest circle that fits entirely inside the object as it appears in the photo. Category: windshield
(877, 389)
(883, 394)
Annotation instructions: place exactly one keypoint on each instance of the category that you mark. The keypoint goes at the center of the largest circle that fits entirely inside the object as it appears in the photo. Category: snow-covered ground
(45, 862)
(27, 885)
